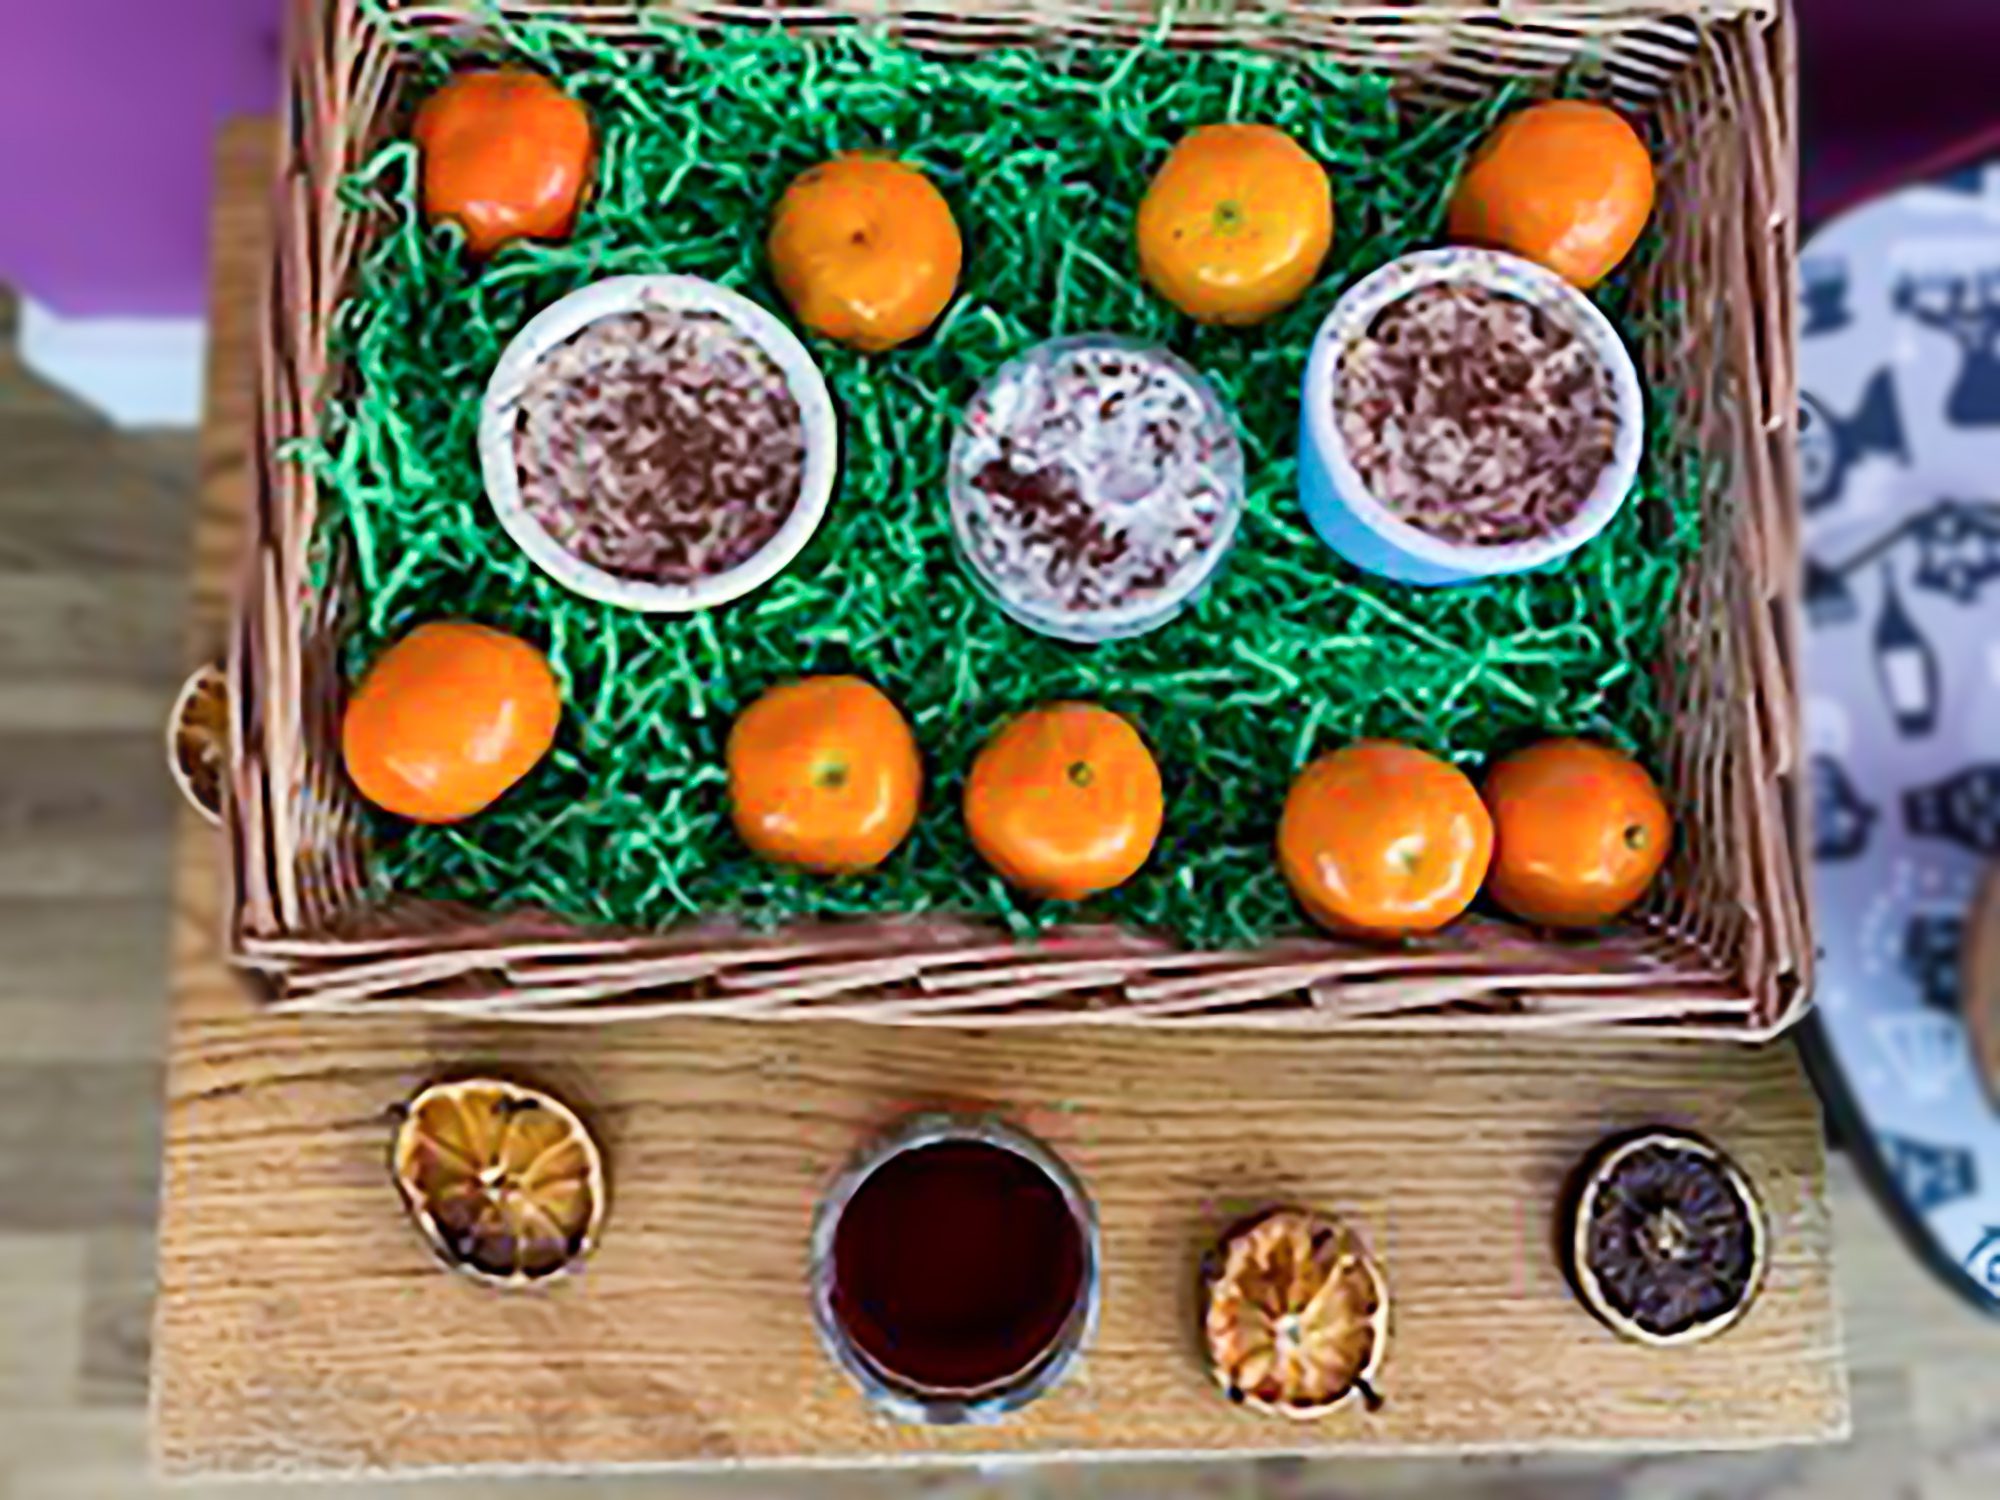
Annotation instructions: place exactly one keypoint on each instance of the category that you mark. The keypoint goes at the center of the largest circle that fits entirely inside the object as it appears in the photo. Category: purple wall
(1886, 86)
(108, 114)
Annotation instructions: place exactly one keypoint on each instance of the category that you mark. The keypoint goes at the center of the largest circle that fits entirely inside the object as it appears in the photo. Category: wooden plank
(301, 1326)
(117, 1319)
(240, 238)
(286, 1268)
(1903, 1330)
(128, 521)
(41, 1316)
(57, 625)
(84, 816)
(78, 1145)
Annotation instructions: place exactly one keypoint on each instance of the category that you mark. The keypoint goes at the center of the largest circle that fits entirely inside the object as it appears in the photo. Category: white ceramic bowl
(1337, 500)
(564, 319)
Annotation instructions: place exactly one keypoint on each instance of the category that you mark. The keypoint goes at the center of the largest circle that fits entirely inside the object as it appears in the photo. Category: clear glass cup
(1096, 485)
(912, 1235)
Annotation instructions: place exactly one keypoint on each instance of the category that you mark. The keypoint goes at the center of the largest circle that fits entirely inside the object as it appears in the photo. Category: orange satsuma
(1580, 830)
(824, 774)
(506, 153)
(1065, 801)
(865, 250)
(447, 719)
(1567, 184)
(1235, 224)
(1383, 839)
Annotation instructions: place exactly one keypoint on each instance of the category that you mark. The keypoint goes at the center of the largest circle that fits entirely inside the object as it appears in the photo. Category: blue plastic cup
(1337, 501)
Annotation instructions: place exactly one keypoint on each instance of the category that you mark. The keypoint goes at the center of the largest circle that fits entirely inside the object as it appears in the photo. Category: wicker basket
(1721, 945)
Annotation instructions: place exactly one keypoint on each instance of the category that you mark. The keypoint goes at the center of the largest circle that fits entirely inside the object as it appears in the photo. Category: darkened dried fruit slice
(1667, 1241)
(505, 1181)
(1298, 1315)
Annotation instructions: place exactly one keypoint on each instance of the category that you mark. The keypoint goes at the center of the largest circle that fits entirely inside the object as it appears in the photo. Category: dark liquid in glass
(955, 1265)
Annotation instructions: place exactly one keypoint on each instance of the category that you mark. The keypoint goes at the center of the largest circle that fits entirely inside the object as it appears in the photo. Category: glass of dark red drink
(954, 1269)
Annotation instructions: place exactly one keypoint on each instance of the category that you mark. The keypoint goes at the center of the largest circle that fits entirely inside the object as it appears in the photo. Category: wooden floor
(93, 529)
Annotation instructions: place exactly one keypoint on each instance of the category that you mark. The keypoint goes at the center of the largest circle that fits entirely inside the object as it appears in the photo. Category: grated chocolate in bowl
(1476, 416)
(660, 445)
(1096, 477)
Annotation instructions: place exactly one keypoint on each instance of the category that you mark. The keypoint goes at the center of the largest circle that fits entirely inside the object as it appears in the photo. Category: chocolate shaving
(660, 445)
(1476, 416)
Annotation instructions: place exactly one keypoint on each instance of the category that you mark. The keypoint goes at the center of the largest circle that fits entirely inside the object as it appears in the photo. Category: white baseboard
(139, 372)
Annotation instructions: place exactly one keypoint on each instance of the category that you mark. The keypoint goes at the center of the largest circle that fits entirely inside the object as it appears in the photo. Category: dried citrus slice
(1667, 1240)
(504, 1181)
(1298, 1315)
(198, 740)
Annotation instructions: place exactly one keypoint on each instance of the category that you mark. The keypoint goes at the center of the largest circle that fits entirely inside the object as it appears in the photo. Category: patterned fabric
(1900, 468)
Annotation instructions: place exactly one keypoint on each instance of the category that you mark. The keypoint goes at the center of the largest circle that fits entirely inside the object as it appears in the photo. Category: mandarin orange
(824, 774)
(447, 719)
(506, 153)
(1384, 839)
(1065, 801)
(1235, 224)
(865, 250)
(1580, 830)
(1567, 184)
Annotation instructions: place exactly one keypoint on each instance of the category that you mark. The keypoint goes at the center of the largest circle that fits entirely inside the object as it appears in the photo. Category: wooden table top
(302, 1327)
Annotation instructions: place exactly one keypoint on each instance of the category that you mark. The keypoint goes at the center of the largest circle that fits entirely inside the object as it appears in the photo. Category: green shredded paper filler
(1044, 158)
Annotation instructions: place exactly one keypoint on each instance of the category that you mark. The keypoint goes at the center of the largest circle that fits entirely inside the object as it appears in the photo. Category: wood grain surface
(302, 1327)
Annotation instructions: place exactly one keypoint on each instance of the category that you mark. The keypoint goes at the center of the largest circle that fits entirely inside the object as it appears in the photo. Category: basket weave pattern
(1719, 947)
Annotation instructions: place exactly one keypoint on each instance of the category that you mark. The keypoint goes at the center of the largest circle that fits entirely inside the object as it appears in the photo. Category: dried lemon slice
(504, 1181)
(1298, 1315)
